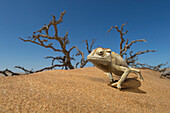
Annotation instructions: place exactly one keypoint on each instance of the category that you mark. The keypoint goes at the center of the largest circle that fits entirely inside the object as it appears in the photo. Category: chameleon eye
(100, 53)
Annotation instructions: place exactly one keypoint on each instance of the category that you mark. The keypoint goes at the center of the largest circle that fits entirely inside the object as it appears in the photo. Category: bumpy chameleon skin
(111, 62)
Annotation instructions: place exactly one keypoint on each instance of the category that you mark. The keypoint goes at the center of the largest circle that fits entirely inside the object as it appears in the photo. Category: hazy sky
(84, 19)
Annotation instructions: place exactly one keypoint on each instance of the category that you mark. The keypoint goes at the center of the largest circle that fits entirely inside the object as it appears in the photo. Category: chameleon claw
(116, 84)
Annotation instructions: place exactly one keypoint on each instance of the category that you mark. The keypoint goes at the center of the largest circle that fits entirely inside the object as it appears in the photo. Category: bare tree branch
(42, 39)
(43, 69)
(121, 36)
(49, 68)
(25, 70)
(6, 71)
(155, 68)
(132, 59)
(60, 59)
(83, 62)
(126, 46)
(89, 48)
(41, 43)
(139, 53)
(93, 41)
(71, 49)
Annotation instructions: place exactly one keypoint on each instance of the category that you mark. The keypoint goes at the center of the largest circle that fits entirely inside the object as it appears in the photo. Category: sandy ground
(83, 90)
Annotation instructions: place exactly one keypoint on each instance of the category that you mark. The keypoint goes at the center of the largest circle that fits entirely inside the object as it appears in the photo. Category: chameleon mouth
(97, 60)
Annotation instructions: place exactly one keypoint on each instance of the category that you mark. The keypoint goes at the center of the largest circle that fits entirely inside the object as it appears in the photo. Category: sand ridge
(83, 90)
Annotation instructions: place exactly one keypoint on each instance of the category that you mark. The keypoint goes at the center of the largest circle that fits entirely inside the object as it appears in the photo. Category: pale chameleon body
(112, 62)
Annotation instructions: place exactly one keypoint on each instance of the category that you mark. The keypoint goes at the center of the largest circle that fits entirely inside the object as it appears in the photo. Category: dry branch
(42, 39)
(132, 59)
(43, 69)
(49, 68)
(9, 72)
(60, 59)
(127, 46)
(6, 71)
(83, 62)
(155, 68)
(121, 35)
(25, 70)
(87, 45)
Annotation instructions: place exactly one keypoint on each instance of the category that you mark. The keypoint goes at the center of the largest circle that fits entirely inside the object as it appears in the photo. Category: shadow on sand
(129, 85)
(132, 85)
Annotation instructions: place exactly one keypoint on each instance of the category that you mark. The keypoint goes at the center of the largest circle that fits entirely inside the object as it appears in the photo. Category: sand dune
(83, 90)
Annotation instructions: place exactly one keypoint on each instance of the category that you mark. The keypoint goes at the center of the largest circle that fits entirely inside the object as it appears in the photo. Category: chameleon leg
(137, 72)
(123, 77)
(110, 77)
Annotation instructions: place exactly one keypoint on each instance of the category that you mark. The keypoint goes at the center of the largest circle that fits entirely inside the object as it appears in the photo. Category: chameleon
(111, 62)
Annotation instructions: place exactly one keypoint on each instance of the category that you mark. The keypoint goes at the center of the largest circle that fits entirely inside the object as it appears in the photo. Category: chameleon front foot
(116, 84)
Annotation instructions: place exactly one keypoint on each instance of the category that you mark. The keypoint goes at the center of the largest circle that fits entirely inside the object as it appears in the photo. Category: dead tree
(42, 38)
(131, 58)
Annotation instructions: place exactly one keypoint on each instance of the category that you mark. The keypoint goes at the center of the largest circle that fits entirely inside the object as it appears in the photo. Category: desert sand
(83, 90)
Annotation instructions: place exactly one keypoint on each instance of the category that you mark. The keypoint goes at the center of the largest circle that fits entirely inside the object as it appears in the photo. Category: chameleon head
(100, 56)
